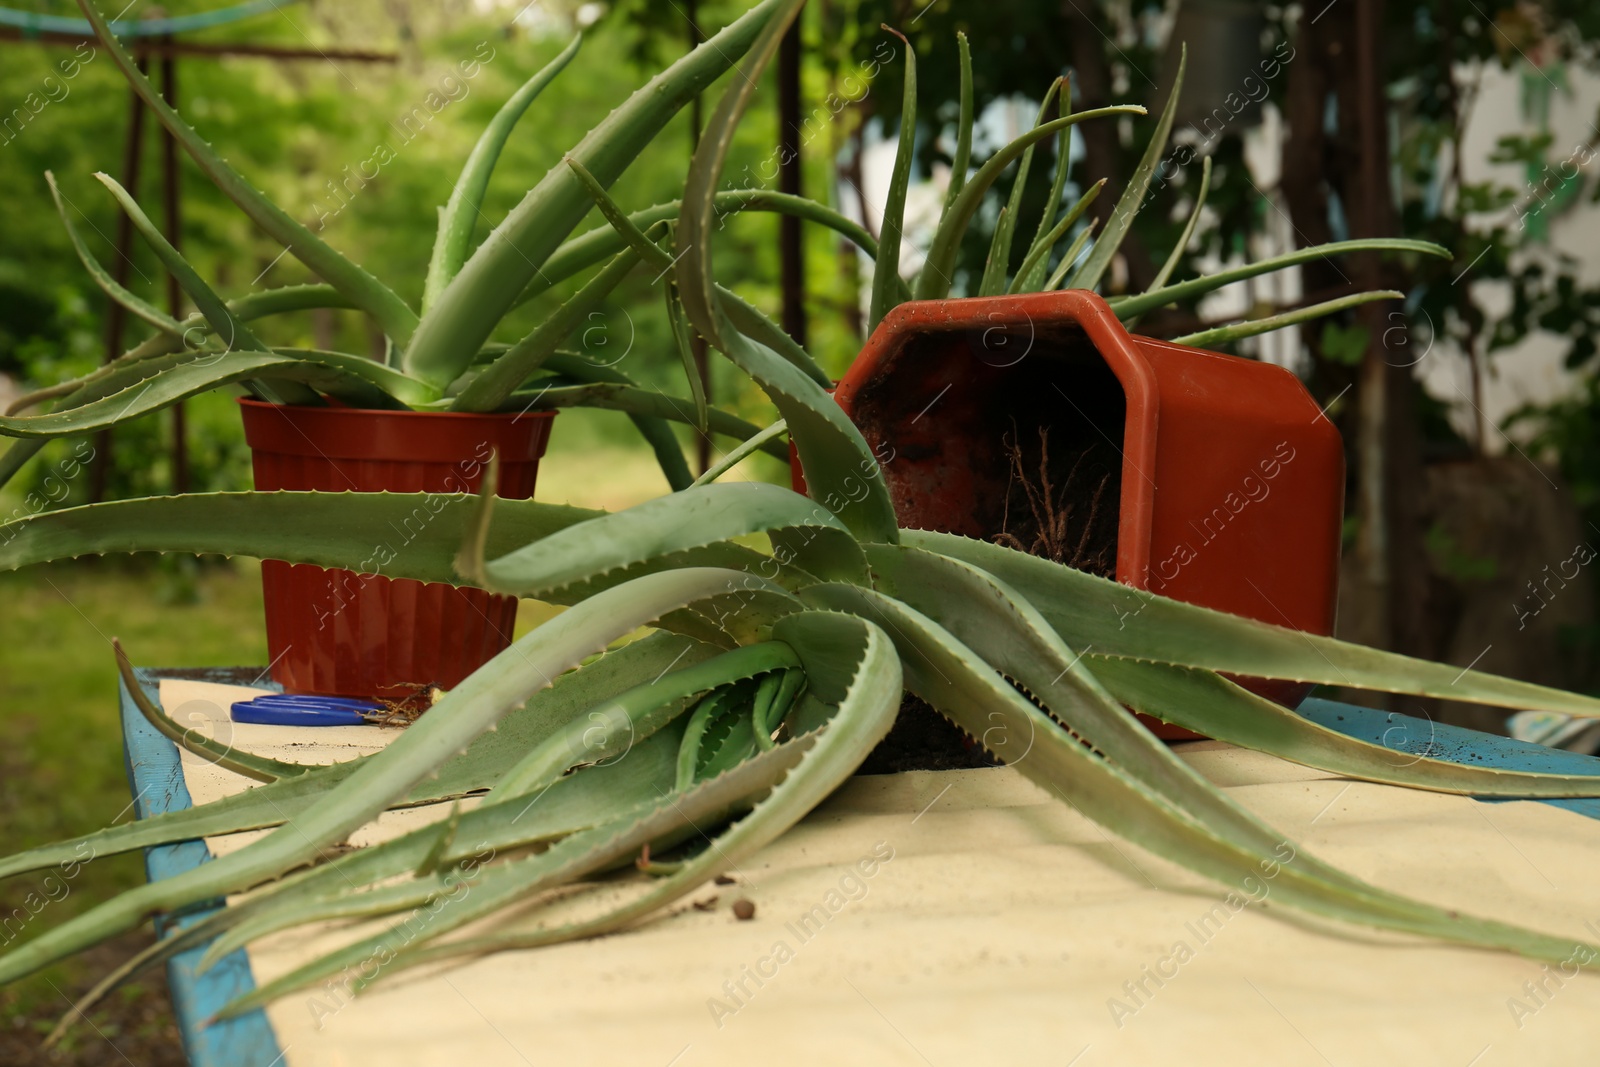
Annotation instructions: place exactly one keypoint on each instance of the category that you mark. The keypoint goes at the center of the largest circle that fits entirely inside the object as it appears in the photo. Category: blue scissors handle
(295, 709)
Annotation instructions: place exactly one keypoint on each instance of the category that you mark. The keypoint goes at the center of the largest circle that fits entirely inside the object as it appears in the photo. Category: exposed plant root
(1056, 532)
(407, 709)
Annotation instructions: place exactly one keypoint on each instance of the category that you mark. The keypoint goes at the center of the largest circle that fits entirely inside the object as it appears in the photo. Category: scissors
(296, 709)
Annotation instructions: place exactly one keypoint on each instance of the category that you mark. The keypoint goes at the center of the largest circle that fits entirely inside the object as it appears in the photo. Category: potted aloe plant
(1030, 416)
(445, 397)
(770, 677)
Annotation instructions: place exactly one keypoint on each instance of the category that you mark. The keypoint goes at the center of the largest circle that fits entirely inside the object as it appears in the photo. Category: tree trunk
(1088, 40)
(1342, 56)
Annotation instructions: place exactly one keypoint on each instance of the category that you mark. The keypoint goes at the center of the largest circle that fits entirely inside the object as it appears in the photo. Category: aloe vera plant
(439, 356)
(1088, 256)
(769, 677)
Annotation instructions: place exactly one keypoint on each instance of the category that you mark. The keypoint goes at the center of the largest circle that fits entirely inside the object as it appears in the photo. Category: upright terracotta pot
(363, 634)
(1223, 482)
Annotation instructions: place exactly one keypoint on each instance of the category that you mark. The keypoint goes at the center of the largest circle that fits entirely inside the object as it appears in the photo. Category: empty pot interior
(1012, 433)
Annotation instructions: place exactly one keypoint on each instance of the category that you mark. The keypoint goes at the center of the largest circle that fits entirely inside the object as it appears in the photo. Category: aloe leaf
(1046, 235)
(1133, 195)
(344, 887)
(993, 278)
(365, 291)
(1011, 637)
(460, 215)
(685, 346)
(489, 283)
(366, 904)
(1082, 607)
(501, 885)
(493, 387)
(851, 665)
(1070, 258)
(745, 316)
(648, 252)
(102, 277)
(886, 269)
(246, 308)
(767, 720)
(594, 246)
(265, 805)
(1129, 306)
(714, 706)
(16, 457)
(963, 157)
(636, 401)
(197, 931)
(841, 471)
(117, 377)
(366, 382)
(193, 332)
(354, 531)
(740, 616)
(656, 431)
(756, 325)
(609, 731)
(733, 741)
(176, 940)
(260, 768)
(694, 233)
(578, 802)
(958, 683)
(234, 333)
(933, 282)
(461, 715)
(1206, 702)
(741, 452)
(664, 527)
(348, 377)
(1222, 335)
(840, 468)
(1015, 640)
(409, 391)
(761, 707)
(633, 236)
(1031, 275)
(1182, 243)
(561, 810)
(993, 281)
(351, 531)
(353, 885)
(828, 552)
(446, 837)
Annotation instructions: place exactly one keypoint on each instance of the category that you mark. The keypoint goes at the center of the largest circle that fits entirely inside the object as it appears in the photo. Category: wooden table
(1005, 929)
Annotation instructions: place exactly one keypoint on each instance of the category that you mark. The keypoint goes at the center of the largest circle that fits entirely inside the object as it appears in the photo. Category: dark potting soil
(1016, 441)
(923, 740)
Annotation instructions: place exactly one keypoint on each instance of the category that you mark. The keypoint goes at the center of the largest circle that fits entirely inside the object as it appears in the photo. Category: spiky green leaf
(459, 216)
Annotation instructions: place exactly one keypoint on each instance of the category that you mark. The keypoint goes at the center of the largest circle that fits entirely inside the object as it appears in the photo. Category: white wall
(1532, 371)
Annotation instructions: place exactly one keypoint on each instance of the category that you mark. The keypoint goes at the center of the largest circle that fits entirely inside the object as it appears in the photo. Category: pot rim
(341, 410)
(1111, 340)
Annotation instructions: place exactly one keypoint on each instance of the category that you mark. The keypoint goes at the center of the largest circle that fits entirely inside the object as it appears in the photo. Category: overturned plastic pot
(344, 633)
(1039, 422)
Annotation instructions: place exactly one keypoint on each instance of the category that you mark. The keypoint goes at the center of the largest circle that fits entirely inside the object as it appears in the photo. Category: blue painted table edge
(155, 775)
(1408, 735)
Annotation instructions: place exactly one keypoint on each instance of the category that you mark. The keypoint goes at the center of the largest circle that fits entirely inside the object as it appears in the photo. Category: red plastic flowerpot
(1039, 421)
(346, 633)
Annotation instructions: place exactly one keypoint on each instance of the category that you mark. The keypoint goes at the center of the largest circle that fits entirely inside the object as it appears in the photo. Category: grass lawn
(61, 764)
